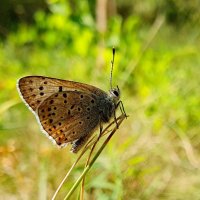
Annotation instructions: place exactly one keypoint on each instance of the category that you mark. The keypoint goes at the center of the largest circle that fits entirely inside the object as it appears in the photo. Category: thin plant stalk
(87, 168)
(86, 164)
(87, 146)
(70, 170)
(66, 176)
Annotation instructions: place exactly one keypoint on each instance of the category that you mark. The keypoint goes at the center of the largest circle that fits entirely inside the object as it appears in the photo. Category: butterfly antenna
(112, 64)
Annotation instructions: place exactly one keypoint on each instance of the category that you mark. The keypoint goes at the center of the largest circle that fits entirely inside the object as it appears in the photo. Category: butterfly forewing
(35, 89)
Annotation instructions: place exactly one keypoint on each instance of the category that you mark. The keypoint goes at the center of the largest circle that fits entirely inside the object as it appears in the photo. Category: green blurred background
(156, 152)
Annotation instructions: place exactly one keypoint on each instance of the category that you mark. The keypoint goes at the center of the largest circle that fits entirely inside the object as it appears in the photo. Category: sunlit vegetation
(156, 152)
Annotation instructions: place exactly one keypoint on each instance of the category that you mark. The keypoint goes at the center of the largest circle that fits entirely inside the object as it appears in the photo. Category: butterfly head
(115, 94)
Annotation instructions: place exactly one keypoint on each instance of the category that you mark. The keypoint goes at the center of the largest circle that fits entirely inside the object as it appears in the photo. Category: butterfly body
(68, 111)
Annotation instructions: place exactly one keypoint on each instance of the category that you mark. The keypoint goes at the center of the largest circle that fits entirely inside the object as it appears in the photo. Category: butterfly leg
(120, 104)
(100, 129)
(115, 118)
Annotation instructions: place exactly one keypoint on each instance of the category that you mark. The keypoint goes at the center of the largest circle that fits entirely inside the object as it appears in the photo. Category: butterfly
(68, 111)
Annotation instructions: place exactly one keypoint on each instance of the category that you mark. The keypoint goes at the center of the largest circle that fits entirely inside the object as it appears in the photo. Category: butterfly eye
(116, 93)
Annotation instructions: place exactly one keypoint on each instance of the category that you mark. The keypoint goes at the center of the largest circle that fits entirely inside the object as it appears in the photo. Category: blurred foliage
(157, 68)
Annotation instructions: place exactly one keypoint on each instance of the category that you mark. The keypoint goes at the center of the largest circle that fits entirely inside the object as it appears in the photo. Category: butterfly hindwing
(67, 116)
